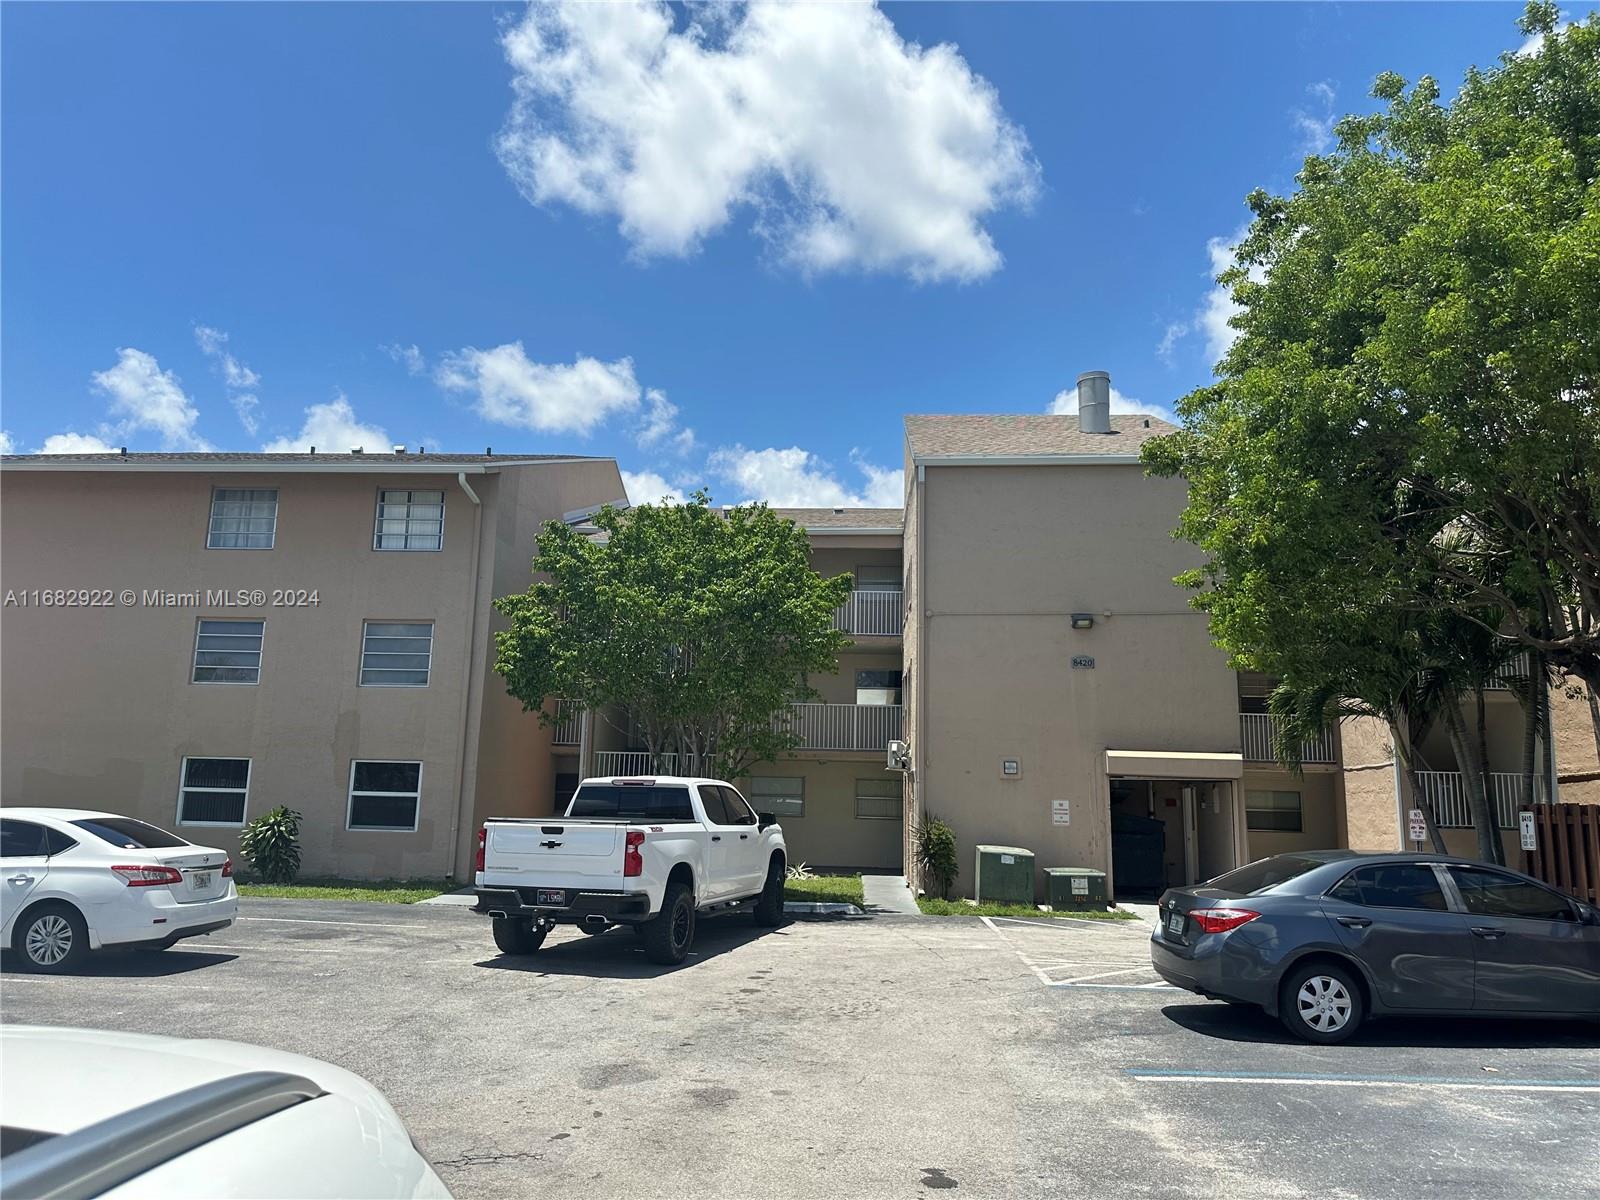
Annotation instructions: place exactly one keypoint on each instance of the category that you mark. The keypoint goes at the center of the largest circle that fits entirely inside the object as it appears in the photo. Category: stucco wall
(1573, 736)
(1321, 826)
(830, 834)
(1011, 552)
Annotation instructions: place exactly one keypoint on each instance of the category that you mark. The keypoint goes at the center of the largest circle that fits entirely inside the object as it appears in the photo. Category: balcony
(1258, 732)
(834, 727)
(1446, 792)
(1505, 679)
(569, 714)
(642, 762)
(872, 614)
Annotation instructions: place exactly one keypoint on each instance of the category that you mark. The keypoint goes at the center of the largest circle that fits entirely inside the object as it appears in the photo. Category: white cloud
(238, 378)
(1218, 308)
(796, 478)
(1316, 128)
(1174, 333)
(509, 389)
(660, 428)
(647, 487)
(74, 443)
(1535, 43)
(146, 397)
(851, 146)
(7, 446)
(333, 429)
(1066, 404)
(409, 357)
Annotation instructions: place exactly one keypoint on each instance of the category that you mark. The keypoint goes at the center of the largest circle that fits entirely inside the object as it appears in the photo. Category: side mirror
(1587, 913)
(765, 819)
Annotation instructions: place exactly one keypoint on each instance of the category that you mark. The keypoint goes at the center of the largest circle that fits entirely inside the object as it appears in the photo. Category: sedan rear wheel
(53, 939)
(1321, 1003)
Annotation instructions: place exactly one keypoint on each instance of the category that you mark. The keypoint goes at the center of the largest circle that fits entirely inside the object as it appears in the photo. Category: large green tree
(1407, 427)
(692, 627)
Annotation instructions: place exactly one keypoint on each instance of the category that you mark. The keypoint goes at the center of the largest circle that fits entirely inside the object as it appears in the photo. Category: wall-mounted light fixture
(1083, 620)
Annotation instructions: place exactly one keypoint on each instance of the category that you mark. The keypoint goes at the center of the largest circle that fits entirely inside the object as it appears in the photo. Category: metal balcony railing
(872, 614)
(843, 726)
(1258, 732)
(1446, 791)
(1505, 678)
(642, 762)
(569, 714)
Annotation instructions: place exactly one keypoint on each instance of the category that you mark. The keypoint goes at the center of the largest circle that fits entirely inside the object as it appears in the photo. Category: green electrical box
(1004, 875)
(1075, 888)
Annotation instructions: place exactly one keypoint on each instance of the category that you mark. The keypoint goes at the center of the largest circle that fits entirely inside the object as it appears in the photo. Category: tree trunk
(1484, 774)
(1530, 730)
(1477, 801)
(1594, 716)
(1549, 739)
(1405, 760)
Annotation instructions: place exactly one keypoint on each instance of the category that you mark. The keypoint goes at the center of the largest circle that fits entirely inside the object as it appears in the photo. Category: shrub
(936, 851)
(800, 872)
(272, 845)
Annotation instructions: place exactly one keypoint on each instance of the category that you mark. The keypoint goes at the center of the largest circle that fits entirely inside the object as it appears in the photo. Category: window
(1276, 811)
(632, 802)
(127, 834)
(877, 687)
(1491, 894)
(716, 808)
(1267, 873)
(738, 811)
(396, 655)
(228, 652)
(874, 578)
(780, 795)
(383, 795)
(213, 791)
(878, 800)
(1392, 885)
(243, 519)
(409, 520)
(21, 839)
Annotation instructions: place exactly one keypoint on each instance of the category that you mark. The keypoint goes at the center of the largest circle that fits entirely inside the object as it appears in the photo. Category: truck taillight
(632, 860)
(483, 838)
(148, 876)
(227, 868)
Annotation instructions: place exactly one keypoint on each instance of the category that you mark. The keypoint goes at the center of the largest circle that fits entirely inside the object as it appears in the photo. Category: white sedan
(87, 1112)
(76, 881)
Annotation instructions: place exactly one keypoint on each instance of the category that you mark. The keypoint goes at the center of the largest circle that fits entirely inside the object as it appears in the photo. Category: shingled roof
(374, 460)
(844, 518)
(999, 435)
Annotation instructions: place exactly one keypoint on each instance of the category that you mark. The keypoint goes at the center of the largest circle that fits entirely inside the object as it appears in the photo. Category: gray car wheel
(53, 939)
(1321, 1003)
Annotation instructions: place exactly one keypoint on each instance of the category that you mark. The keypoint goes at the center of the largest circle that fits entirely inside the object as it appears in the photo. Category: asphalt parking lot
(890, 1057)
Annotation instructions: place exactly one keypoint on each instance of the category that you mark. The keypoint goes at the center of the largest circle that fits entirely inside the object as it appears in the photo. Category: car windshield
(1258, 876)
(127, 834)
(631, 802)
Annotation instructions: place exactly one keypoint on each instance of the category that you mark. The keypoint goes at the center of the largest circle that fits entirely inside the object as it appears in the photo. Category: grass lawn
(960, 908)
(825, 889)
(380, 891)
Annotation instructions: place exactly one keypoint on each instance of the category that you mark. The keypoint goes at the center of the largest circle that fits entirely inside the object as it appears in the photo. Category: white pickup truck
(655, 854)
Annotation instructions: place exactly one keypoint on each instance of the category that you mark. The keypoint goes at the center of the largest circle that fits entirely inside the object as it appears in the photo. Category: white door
(721, 836)
(1191, 852)
(23, 863)
(749, 861)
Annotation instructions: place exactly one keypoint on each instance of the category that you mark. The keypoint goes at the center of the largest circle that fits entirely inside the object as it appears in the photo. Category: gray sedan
(1325, 939)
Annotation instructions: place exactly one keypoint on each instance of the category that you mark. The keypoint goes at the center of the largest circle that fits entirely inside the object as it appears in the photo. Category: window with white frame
(875, 577)
(878, 800)
(228, 651)
(780, 795)
(213, 791)
(384, 795)
(1277, 812)
(243, 519)
(409, 520)
(396, 653)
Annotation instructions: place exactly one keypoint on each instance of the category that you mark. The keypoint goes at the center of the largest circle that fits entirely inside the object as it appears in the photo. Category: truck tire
(516, 935)
(52, 939)
(769, 909)
(668, 935)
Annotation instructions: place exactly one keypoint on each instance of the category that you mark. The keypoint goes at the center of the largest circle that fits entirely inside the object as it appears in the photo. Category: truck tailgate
(556, 851)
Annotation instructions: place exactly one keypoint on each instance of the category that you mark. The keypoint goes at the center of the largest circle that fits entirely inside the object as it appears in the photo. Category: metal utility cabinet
(1079, 888)
(1004, 875)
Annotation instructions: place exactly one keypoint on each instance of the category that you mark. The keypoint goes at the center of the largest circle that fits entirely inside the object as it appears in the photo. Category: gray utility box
(1004, 875)
(1075, 888)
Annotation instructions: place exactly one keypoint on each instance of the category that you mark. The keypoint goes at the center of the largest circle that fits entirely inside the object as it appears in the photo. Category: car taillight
(227, 868)
(1220, 920)
(632, 860)
(151, 876)
(483, 839)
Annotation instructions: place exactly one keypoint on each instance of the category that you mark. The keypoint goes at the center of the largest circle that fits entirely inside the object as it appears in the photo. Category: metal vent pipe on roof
(1094, 402)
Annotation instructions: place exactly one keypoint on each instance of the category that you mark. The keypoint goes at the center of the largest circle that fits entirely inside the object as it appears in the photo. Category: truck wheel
(516, 935)
(1320, 1003)
(769, 909)
(53, 939)
(668, 936)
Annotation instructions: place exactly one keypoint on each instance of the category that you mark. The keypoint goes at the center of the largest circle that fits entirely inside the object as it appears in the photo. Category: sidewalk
(888, 893)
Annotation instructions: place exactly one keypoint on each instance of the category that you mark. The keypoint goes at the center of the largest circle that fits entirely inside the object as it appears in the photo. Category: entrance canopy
(1171, 764)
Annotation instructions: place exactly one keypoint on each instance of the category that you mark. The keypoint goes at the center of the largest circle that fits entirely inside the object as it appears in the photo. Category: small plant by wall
(936, 851)
(271, 845)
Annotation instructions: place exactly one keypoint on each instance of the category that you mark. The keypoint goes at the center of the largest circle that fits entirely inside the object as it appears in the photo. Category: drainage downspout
(468, 660)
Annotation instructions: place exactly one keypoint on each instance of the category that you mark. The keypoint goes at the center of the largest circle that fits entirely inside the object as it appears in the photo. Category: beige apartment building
(194, 639)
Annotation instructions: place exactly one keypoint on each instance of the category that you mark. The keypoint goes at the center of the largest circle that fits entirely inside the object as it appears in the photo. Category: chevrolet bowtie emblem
(549, 845)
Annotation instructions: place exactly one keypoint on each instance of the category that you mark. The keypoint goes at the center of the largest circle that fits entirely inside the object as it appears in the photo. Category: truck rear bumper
(619, 908)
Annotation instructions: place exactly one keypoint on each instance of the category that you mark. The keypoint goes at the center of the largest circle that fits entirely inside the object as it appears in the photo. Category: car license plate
(549, 896)
(199, 881)
(1174, 922)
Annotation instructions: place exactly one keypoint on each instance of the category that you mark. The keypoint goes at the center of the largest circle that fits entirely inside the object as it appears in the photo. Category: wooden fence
(1567, 850)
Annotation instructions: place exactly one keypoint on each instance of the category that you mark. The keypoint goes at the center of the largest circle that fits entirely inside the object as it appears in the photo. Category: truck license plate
(200, 880)
(1175, 922)
(549, 896)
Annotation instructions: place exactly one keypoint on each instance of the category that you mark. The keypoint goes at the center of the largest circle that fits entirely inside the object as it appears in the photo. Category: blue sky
(732, 255)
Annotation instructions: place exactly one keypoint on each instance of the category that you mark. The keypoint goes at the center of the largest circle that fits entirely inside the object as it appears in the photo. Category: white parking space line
(1418, 1082)
(1083, 972)
(309, 921)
